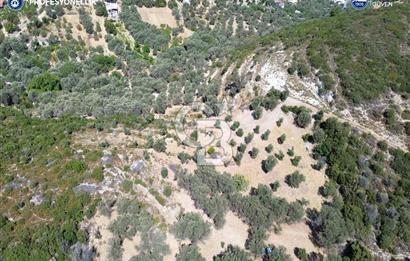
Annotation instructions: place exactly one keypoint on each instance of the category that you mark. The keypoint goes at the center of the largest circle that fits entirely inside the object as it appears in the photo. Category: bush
(279, 155)
(274, 186)
(257, 113)
(294, 179)
(185, 157)
(277, 254)
(235, 125)
(45, 82)
(240, 183)
(249, 138)
(254, 153)
(189, 253)
(295, 161)
(256, 129)
(269, 148)
(164, 172)
(282, 138)
(233, 253)
(86, 21)
(279, 122)
(291, 152)
(303, 119)
(239, 132)
(356, 252)
(100, 9)
(242, 148)
(191, 226)
(160, 145)
(110, 27)
(301, 254)
(167, 191)
(265, 135)
(268, 164)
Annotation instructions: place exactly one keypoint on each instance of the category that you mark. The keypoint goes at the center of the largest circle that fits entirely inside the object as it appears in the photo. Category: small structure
(112, 10)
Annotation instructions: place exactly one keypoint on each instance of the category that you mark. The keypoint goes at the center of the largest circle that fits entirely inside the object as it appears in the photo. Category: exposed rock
(138, 165)
(87, 187)
(107, 158)
(37, 199)
(82, 252)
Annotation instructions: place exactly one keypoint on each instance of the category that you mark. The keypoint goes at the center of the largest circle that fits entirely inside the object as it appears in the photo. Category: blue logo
(15, 5)
(359, 4)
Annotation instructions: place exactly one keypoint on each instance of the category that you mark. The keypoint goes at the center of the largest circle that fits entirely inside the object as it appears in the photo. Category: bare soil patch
(157, 16)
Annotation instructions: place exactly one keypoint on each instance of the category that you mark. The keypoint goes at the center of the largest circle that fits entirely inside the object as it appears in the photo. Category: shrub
(167, 190)
(295, 161)
(254, 153)
(240, 182)
(268, 164)
(291, 152)
(303, 119)
(249, 138)
(277, 254)
(164, 172)
(98, 174)
(100, 9)
(76, 166)
(279, 122)
(242, 148)
(301, 254)
(86, 21)
(256, 129)
(233, 253)
(185, 157)
(257, 113)
(356, 252)
(110, 27)
(294, 179)
(239, 132)
(160, 145)
(191, 226)
(279, 155)
(45, 82)
(269, 148)
(274, 186)
(189, 253)
(282, 138)
(265, 135)
(235, 125)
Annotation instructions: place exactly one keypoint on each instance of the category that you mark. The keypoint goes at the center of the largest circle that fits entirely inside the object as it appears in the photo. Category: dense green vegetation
(365, 48)
(368, 189)
(41, 151)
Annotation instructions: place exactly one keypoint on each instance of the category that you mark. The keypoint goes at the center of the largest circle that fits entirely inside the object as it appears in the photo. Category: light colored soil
(251, 168)
(130, 247)
(234, 232)
(73, 18)
(293, 236)
(157, 16)
(102, 223)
